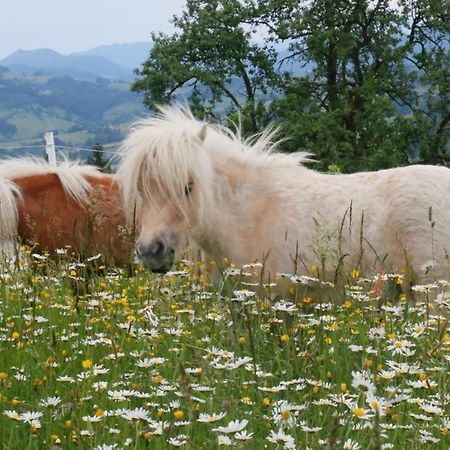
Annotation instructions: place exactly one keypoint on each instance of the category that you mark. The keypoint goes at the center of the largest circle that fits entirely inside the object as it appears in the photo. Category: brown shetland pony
(68, 206)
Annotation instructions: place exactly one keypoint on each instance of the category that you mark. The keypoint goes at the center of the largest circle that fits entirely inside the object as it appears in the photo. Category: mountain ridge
(53, 63)
(126, 55)
(113, 61)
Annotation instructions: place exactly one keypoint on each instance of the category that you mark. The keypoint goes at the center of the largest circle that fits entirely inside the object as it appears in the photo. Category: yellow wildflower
(86, 363)
(178, 414)
(359, 412)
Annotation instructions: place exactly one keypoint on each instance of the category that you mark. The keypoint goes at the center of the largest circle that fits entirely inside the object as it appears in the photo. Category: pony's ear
(202, 133)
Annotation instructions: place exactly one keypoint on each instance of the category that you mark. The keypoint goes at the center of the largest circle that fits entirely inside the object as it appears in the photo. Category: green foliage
(96, 158)
(428, 53)
(363, 84)
(361, 69)
(211, 53)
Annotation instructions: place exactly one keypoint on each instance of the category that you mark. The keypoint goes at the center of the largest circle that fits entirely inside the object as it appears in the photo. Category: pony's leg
(8, 251)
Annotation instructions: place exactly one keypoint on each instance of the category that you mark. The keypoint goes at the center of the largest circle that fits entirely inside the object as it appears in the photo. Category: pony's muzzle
(156, 255)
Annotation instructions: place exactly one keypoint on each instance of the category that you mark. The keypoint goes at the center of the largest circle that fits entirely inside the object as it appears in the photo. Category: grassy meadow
(104, 359)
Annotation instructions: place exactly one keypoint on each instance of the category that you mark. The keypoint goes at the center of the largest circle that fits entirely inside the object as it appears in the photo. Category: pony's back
(72, 174)
(68, 205)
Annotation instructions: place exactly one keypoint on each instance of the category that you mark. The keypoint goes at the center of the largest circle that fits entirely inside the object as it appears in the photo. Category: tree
(427, 52)
(339, 108)
(96, 158)
(370, 83)
(376, 94)
(213, 60)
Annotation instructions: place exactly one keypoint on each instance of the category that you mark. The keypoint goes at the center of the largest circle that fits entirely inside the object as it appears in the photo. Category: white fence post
(50, 148)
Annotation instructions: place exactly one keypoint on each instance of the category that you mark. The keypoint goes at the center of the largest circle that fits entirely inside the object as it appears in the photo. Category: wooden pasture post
(50, 148)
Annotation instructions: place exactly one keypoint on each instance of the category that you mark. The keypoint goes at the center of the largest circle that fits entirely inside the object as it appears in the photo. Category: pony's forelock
(166, 152)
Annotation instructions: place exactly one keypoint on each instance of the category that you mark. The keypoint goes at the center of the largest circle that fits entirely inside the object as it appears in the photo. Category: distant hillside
(77, 96)
(49, 62)
(80, 112)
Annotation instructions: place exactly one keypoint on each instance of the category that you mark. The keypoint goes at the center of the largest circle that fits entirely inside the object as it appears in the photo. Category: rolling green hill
(80, 112)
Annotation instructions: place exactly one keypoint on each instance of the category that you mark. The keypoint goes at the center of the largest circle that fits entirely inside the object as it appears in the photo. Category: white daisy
(233, 427)
(208, 418)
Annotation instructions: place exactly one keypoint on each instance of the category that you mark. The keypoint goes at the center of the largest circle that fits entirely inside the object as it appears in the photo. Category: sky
(75, 25)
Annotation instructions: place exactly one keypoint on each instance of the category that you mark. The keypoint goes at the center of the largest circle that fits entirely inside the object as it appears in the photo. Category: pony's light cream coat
(251, 203)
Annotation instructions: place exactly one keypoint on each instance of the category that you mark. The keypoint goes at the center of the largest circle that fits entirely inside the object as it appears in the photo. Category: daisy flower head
(243, 435)
(233, 427)
(284, 413)
(223, 439)
(29, 416)
(280, 437)
(417, 329)
(50, 401)
(178, 441)
(360, 413)
(92, 419)
(12, 414)
(135, 414)
(445, 429)
(377, 333)
(209, 418)
(401, 347)
(349, 444)
(378, 405)
(362, 381)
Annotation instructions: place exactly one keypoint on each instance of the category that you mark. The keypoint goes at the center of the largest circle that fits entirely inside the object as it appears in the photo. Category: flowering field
(96, 361)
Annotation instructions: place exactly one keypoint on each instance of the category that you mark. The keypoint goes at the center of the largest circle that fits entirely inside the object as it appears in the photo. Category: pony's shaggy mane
(173, 148)
(8, 209)
(71, 174)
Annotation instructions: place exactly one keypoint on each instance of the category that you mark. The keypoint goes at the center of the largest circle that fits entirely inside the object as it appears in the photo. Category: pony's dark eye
(188, 189)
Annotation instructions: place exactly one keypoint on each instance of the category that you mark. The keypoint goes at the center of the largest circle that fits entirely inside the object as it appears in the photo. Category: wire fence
(83, 149)
(57, 147)
(53, 152)
(17, 147)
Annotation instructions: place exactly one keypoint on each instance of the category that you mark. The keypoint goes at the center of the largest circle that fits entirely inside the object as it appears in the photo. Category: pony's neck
(238, 205)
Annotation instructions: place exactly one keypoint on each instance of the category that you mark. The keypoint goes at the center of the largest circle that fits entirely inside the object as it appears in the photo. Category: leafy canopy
(363, 84)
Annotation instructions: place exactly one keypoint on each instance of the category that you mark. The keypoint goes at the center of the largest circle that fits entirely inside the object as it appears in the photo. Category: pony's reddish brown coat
(52, 219)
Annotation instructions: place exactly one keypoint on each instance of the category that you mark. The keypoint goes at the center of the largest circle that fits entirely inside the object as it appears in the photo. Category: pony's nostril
(155, 249)
(155, 252)
(158, 248)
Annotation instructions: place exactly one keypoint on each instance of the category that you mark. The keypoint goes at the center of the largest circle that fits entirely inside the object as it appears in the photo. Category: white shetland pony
(241, 199)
